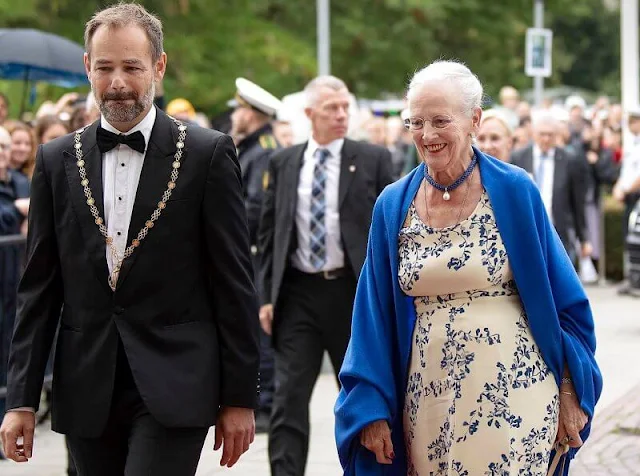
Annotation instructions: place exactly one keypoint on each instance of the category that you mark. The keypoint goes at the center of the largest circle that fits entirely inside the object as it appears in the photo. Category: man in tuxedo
(561, 178)
(137, 231)
(313, 236)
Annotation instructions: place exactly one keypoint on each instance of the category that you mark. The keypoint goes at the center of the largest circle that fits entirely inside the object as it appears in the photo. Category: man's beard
(124, 112)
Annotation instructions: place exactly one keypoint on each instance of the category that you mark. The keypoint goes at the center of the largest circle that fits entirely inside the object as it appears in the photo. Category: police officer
(627, 188)
(252, 132)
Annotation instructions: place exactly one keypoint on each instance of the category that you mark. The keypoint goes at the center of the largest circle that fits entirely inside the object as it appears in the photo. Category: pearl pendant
(445, 196)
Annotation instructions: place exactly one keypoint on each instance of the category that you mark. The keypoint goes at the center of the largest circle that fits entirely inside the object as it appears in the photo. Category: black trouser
(133, 442)
(312, 315)
(267, 370)
(266, 355)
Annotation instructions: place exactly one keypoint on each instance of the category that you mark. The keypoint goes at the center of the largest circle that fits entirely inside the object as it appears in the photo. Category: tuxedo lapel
(155, 174)
(348, 169)
(95, 242)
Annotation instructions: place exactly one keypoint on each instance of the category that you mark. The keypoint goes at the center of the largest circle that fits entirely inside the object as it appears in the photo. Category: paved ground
(613, 449)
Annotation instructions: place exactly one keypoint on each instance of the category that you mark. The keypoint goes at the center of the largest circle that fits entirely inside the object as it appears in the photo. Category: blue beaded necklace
(459, 181)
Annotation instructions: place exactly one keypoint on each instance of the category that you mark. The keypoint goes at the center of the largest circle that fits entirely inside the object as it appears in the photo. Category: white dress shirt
(335, 255)
(121, 168)
(546, 188)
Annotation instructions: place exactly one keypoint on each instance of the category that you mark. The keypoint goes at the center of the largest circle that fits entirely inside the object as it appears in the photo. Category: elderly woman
(472, 347)
(495, 136)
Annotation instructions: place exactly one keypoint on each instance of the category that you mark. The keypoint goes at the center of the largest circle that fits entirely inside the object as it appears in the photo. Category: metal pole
(629, 53)
(629, 72)
(324, 37)
(538, 22)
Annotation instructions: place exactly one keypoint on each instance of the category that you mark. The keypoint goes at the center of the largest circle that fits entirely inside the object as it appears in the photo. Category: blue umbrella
(33, 55)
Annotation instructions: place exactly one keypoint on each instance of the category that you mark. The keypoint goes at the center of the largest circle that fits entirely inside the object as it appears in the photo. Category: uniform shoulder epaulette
(267, 141)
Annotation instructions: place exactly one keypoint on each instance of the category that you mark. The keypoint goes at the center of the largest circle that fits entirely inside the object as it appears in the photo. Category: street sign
(538, 52)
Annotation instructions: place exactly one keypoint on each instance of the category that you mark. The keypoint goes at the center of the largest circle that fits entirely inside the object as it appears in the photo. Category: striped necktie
(318, 236)
(540, 172)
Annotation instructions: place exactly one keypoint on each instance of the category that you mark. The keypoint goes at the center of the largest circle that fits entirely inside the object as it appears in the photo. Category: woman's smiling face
(441, 130)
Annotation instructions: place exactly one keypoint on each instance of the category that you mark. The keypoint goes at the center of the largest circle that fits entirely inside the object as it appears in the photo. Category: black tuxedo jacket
(184, 306)
(569, 192)
(364, 172)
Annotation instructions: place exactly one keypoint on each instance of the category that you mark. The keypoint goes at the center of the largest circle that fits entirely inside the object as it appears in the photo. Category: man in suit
(561, 178)
(159, 337)
(313, 236)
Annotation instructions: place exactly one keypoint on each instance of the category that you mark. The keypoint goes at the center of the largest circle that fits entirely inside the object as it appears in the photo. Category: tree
(376, 44)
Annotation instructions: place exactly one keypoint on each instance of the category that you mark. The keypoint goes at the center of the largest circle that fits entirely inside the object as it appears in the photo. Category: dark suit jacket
(569, 193)
(364, 172)
(184, 307)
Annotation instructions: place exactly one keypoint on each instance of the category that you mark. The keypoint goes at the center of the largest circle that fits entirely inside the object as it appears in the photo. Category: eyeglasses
(417, 123)
(5, 146)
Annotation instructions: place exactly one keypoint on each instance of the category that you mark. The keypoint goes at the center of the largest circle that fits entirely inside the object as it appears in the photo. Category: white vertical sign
(538, 52)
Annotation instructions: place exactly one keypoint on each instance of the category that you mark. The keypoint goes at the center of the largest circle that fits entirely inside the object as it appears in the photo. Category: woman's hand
(571, 419)
(376, 437)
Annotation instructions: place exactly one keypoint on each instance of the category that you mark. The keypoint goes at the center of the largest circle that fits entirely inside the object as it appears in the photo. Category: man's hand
(22, 204)
(18, 424)
(266, 318)
(235, 431)
(586, 249)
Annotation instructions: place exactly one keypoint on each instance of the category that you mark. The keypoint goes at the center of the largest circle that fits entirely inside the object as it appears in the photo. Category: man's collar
(253, 137)
(145, 126)
(334, 147)
(537, 152)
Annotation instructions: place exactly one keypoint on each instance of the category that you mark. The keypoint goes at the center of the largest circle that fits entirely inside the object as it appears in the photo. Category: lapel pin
(352, 168)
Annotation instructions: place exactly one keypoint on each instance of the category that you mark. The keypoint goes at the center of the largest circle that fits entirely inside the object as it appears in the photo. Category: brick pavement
(614, 445)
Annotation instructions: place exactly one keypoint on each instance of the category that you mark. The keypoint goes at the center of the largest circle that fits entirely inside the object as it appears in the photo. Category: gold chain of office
(117, 259)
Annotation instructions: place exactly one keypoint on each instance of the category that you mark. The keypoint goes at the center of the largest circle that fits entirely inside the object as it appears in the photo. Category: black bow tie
(108, 140)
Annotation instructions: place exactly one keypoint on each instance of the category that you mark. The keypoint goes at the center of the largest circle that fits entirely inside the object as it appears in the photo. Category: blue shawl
(374, 372)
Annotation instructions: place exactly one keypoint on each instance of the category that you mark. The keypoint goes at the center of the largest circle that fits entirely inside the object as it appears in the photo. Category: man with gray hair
(561, 178)
(138, 247)
(313, 237)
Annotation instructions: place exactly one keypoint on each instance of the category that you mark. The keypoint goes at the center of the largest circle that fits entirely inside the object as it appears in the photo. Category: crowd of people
(311, 207)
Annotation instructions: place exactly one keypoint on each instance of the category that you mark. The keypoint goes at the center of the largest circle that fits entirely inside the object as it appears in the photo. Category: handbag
(562, 448)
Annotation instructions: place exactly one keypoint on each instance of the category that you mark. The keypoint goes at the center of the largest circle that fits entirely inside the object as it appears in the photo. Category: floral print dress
(480, 399)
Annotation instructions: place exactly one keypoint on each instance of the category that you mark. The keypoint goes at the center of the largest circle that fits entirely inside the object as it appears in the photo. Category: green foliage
(376, 44)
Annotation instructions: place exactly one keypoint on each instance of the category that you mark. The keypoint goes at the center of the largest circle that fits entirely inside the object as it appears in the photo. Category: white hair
(463, 79)
(545, 118)
(311, 89)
